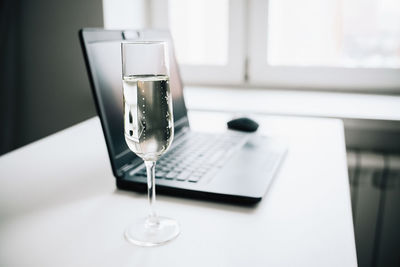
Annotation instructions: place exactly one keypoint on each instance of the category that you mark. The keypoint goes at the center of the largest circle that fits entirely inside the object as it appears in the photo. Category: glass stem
(151, 190)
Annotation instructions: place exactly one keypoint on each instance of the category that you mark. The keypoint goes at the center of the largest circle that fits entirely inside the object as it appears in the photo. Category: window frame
(312, 77)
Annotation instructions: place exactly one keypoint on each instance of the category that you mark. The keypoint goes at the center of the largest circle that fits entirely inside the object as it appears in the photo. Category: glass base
(152, 231)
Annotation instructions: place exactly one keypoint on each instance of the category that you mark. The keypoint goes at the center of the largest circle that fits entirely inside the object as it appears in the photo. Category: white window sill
(299, 103)
(371, 121)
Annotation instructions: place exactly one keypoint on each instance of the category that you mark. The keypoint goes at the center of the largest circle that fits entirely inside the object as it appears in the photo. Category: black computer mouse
(243, 124)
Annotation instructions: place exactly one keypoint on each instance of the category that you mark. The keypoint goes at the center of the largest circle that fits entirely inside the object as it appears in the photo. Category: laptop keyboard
(197, 157)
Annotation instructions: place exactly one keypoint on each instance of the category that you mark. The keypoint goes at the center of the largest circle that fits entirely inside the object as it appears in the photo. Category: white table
(59, 206)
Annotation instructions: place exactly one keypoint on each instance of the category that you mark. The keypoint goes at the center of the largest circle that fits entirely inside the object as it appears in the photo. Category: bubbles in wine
(148, 117)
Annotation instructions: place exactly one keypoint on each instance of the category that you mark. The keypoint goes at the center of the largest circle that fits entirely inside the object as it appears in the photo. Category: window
(351, 33)
(200, 41)
(319, 44)
(208, 37)
(351, 44)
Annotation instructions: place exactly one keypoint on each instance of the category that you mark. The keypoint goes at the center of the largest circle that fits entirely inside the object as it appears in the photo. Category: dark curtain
(8, 72)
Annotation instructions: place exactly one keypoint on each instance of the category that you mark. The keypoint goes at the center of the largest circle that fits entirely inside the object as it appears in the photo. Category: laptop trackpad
(250, 171)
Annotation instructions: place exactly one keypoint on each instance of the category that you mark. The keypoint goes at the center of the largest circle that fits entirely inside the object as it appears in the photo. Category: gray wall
(52, 87)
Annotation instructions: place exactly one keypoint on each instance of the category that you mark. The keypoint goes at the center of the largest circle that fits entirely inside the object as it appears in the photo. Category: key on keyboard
(197, 156)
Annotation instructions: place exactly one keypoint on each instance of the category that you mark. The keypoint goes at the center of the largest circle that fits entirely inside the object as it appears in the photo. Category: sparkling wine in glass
(148, 127)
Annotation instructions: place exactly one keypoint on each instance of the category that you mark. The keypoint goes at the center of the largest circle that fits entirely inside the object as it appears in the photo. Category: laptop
(233, 167)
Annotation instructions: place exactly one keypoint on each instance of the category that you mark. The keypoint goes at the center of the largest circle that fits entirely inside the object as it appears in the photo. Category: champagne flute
(148, 127)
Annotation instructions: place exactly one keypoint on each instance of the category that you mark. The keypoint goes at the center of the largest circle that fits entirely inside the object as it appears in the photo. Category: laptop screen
(104, 63)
